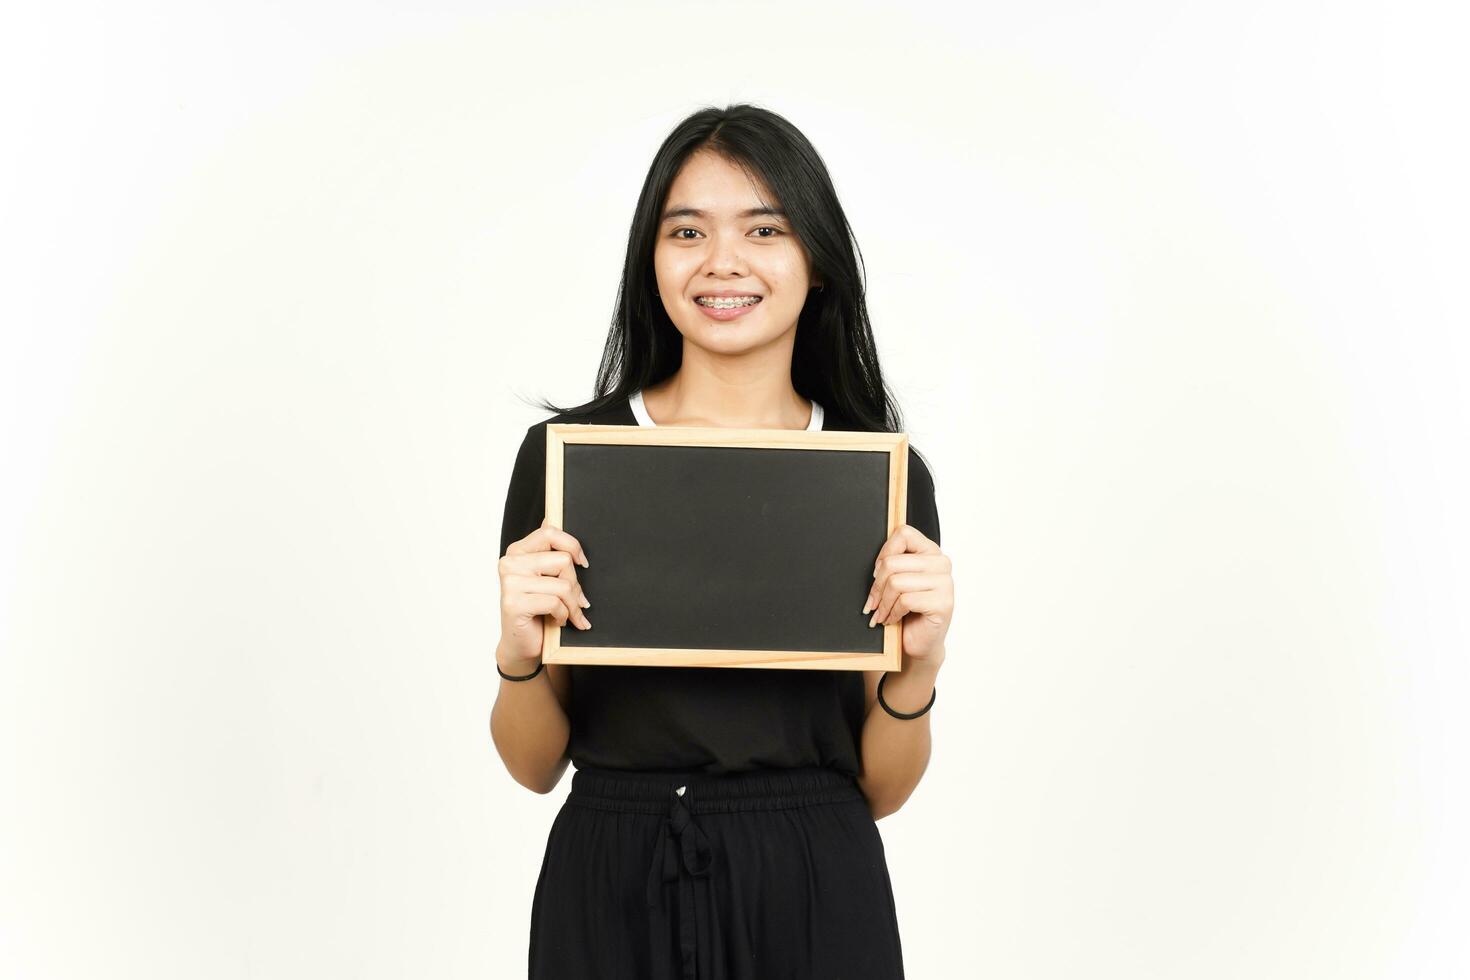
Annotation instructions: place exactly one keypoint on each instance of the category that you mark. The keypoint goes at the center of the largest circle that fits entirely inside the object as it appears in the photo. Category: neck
(692, 396)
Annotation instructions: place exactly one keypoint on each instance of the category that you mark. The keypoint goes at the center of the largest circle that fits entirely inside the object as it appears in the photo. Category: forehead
(713, 186)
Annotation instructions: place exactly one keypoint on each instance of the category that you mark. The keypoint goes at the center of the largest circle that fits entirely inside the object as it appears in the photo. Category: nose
(726, 257)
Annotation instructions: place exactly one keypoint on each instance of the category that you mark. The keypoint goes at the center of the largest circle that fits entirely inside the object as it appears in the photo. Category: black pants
(778, 874)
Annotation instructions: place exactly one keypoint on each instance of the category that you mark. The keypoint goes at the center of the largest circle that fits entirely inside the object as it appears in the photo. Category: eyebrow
(688, 212)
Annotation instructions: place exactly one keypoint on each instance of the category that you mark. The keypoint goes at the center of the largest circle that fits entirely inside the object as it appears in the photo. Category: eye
(679, 232)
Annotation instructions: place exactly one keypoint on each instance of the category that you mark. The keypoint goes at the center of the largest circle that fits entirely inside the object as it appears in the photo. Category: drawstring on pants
(692, 849)
(697, 923)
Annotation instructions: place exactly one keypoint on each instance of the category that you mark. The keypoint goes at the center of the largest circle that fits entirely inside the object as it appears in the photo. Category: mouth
(715, 302)
(726, 308)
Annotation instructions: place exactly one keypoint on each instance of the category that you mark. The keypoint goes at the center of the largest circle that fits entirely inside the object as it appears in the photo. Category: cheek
(788, 270)
(671, 265)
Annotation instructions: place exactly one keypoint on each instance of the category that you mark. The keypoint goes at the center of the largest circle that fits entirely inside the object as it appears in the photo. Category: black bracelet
(526, 678)
(899, 714)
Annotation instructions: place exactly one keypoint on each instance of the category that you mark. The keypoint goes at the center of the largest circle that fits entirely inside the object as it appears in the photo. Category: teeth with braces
(728, 304)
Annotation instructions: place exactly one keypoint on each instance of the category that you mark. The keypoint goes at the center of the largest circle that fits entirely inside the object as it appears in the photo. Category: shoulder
(525, 499)
(919, 472)
(922, 506)
(617, 412)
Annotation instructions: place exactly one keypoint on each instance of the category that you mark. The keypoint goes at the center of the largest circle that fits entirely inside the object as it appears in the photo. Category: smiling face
(719, 239)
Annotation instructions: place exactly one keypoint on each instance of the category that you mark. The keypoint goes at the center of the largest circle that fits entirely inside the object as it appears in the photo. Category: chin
(725, 341)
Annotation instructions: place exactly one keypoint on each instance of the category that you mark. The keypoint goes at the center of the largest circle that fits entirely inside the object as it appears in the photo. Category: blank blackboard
(726, 547)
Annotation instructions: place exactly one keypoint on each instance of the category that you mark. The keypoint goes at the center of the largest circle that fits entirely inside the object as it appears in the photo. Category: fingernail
(868, 604)
(873, 620)
(584, 562)
(585, 601)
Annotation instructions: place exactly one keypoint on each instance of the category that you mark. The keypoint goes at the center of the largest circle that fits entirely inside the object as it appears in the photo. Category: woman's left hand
(912, 583)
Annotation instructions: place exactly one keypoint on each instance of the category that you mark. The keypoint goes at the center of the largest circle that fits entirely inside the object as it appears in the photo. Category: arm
(912, 586)
(529, 722)
(895, 751)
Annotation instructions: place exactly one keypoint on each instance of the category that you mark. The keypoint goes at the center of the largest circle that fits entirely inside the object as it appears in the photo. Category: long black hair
(834, 360)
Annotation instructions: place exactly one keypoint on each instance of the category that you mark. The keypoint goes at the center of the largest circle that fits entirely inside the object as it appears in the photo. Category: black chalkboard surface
(715, 547)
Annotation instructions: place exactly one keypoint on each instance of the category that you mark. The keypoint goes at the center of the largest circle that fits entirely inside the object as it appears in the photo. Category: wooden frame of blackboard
(895, 444)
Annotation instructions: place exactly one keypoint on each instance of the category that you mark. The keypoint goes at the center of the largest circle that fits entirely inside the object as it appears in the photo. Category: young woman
(721, 821)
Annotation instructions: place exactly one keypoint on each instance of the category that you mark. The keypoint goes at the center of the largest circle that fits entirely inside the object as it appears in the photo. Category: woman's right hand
(537, 578)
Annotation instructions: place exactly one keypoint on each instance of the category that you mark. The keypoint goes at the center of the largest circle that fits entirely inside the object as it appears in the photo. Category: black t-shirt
(703, 719)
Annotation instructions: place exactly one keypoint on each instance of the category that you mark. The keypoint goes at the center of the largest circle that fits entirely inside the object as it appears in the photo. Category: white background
(1171, 294)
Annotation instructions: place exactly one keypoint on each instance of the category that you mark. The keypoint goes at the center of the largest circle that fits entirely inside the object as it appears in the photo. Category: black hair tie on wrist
(526, 678)
(899, 714)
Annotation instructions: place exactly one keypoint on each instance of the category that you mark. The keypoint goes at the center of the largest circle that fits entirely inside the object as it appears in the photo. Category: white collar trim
(640, 412)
